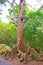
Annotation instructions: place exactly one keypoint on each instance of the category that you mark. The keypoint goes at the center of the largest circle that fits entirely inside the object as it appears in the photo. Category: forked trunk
(20, 25)
(20, 36)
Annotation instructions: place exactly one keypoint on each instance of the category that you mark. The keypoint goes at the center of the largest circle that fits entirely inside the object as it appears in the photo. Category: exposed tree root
(28, 53)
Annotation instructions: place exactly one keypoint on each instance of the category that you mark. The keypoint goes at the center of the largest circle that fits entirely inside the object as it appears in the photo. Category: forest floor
(16, 61)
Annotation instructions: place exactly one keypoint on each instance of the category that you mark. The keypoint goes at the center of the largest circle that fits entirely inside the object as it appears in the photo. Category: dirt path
(16, 61)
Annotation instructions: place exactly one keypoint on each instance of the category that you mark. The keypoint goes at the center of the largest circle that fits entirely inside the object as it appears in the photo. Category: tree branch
(29, 6)
(15, 22)
(8, 2)
(12, 5)
(21, 8)
(15, 18)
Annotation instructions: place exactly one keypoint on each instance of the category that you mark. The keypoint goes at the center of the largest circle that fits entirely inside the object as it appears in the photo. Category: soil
(16, 61)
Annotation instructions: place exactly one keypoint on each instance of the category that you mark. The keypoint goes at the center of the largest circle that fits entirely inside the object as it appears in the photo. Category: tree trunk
(20, 25)
(20, 36)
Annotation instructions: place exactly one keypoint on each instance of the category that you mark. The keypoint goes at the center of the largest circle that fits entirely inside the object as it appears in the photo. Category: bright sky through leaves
(35, 4)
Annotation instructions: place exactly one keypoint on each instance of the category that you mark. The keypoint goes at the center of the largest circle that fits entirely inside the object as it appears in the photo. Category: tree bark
(20, 36)
(20, 25)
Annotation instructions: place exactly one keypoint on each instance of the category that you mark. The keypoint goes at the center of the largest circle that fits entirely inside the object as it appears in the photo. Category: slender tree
(19, 22)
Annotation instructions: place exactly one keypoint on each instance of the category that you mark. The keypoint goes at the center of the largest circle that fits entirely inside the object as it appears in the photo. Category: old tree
(20, 50)
(19, 22)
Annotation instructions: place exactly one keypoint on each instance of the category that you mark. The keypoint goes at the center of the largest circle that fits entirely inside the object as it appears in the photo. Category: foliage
(33, 29)
(11, 16)
(8, 34)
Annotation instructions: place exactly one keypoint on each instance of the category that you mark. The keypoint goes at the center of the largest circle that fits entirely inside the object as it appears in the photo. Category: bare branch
(8, 2)
(15, 18)
(13, 1)
(21, 14)
(16, 24)
(29, 6)
(12, 5)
